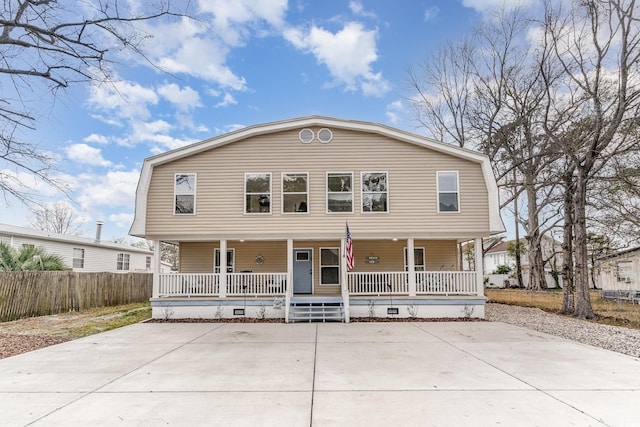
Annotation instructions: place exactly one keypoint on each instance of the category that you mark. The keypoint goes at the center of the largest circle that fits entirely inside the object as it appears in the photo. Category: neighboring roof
(12, 230)
(138, 227)
(620, 253)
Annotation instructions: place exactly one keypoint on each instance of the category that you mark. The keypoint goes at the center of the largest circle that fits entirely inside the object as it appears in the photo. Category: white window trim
(233, 258)
(388, 192)
(448, 192)
(424, 257)
(353, 199)
(244, 192)
(73, 259)
(320, 265)
(195, 186)
(128, 262)
(282, 193)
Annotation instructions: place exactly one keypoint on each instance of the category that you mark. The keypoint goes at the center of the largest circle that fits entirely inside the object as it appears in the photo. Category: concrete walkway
(359, 374)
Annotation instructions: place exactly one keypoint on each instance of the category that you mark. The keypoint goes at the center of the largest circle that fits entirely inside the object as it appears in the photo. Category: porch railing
(446, 283)
(378, 283)
(208, 284)
(427, 283)
(189, 284)
(256, 284)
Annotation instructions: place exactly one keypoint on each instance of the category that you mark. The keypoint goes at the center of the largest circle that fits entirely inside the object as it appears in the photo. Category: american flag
(349, 249)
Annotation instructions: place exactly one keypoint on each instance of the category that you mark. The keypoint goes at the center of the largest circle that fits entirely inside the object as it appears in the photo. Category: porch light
(395, 239)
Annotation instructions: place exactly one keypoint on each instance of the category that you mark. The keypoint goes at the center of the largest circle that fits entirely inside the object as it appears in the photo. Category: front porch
(421, 294)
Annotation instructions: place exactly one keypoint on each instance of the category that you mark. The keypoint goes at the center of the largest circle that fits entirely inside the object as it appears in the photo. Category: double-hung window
(375, 192)
(184, 194)
(625, 271)
(295, 192)
(257, 191)
(329, 266)
(340, 192)
(448, 193)
(78, 258)
(123, 262)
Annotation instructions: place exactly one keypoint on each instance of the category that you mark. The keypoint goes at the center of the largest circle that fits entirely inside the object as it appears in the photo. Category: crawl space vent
(306, 135)
(325, 135)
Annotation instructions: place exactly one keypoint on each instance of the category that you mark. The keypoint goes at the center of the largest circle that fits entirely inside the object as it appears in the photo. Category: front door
(302, 271)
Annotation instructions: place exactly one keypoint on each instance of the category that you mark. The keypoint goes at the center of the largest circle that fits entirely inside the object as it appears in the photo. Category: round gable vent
(306, 135)
(325, 135)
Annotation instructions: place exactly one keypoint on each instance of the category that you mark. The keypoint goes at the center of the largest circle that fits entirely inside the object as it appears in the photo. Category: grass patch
(607, 312)
(107, 318)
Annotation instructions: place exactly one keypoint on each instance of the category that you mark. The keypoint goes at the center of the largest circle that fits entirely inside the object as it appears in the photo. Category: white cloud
(395, 111)
(116, 188)
(431, 13)
(97, 139)
(86, 154)
(185, 99)
(228, 99)
(124, 99)
(348, 54)
(485, 6)
(121, 220)
(231, 18)
(357, 9)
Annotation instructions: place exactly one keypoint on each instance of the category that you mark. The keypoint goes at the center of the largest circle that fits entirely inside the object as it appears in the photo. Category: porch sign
(348, 248)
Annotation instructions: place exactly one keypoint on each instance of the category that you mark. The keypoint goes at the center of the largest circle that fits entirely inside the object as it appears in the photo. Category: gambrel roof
(138, 226)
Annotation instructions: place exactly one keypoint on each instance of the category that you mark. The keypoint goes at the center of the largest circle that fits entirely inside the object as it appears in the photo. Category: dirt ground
(21, 336)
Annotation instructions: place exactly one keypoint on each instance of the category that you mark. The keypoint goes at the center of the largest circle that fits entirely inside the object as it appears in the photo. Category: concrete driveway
(359, 374)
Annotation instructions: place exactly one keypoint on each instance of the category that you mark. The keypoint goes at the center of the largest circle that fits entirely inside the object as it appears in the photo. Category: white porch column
(157, 258)
(411, 264)
(223, 269)
(289, 293)
(478, 260)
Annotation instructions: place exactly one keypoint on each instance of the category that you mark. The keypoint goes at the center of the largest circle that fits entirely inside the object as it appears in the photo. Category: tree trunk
(567, 246)
(537, 280)
(517, 253)
(583, 307)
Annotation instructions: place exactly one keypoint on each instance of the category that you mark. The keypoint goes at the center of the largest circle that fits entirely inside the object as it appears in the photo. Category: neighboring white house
(499, 255)
(620, 272)
(82, 254)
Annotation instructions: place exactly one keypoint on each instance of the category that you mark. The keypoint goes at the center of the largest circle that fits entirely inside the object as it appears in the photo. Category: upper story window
(295, 192)
(257, 191)
(78, 258)
(185, 194)
(448, 195)
(375, 192)
(340, 192)
(123, 262)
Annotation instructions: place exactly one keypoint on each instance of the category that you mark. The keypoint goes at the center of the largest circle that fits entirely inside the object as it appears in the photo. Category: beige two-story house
(260, 217)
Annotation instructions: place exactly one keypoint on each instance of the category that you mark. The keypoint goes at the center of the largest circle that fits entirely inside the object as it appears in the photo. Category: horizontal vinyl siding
(411, 177)
(198, 257)
(96, 259)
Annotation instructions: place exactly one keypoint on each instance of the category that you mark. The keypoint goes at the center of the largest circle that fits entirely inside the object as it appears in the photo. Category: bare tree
(58, 218)
(597, 43)
(489, 94)
(47, 46)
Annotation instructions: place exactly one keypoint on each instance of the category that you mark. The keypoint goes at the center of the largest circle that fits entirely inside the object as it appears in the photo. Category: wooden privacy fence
(40, 293)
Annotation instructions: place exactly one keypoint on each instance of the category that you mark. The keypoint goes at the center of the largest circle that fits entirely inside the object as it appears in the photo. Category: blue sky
(256, 61)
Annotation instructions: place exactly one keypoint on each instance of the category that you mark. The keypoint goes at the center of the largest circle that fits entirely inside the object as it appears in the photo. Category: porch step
(316, 309)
